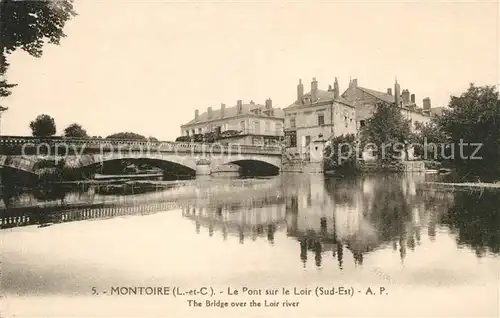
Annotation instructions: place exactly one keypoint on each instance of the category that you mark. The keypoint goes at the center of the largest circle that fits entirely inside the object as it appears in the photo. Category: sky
(144, 66)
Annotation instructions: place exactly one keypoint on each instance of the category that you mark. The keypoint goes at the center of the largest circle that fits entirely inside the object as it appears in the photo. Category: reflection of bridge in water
(44, 216)
(324, 218)
(24, 209)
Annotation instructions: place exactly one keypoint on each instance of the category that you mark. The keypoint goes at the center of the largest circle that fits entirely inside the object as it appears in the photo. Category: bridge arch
(256, 167)
(169, 164)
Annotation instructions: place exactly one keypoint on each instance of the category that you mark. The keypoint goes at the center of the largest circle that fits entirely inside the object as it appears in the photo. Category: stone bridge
(30, 154)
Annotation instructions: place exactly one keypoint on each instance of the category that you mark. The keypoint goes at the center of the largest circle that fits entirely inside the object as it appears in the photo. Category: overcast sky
(146, 65)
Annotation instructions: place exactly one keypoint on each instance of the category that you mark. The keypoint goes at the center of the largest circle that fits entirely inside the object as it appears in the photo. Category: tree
(340, 154)
(75, 131)
(127, 136)
(28, 25)
(43, 126)
(388, 130)
(430, 141)
(471, 126)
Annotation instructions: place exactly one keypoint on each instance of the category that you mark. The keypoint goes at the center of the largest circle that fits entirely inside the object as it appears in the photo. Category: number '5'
(94, 291)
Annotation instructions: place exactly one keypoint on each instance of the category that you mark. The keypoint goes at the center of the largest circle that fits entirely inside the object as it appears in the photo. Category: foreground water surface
(433, 250)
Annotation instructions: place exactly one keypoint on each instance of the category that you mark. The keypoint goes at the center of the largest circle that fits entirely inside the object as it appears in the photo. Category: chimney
(354, 83)
(239, 107)
(314, 90)
(413, 98)
(269, 103)
(427, 104)
(196, 114)
(209, 112)
(330, 88)
(300, 92)
(222, 109)
(397, 94)
(406, 96)
(336, 91)
(389, 91)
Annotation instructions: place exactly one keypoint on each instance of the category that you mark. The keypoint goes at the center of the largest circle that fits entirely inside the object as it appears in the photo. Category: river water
(388, 245)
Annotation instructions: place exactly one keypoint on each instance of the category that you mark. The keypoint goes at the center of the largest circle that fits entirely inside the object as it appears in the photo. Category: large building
(315, 117)
(250, 124)
(366, 101)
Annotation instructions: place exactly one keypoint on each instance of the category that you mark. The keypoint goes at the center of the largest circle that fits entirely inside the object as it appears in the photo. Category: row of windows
(256, 128)
(291, 140)
(306, 112)
(320, 121)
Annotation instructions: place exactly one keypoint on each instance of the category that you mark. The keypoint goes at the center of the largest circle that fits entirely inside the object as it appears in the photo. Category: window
(199, 130)
(361, 123)
(292, 122)
(345, 120)
(268, 126)
(256, 127)
(279, 127)
(242, 126)
(308, 140)
(321, 120)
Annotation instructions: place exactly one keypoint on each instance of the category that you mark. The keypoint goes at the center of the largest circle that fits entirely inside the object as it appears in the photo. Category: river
(400, 247)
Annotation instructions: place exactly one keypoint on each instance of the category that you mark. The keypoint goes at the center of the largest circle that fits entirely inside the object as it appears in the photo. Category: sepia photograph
(261, 158)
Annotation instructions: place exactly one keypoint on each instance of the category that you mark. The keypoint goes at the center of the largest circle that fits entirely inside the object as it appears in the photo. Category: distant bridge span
(27, 153)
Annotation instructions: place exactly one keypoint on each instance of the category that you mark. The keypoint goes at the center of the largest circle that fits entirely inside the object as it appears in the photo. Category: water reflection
(475, 220)
(327, 218)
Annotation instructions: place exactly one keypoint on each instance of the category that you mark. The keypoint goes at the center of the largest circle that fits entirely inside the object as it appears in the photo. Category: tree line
(45, 126)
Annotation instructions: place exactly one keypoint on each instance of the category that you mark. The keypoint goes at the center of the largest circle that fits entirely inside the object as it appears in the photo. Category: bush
(183, 139)
(339, 155)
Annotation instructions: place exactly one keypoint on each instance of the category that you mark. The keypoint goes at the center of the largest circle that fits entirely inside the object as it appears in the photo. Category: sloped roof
(385, 97)
(382, 96)
(233, 111)
(322, 96)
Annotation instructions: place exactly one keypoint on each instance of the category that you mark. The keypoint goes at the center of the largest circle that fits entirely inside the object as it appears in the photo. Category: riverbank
(465, 185)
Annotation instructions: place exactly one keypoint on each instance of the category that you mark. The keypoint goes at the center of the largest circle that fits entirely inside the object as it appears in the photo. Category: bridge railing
(106, 145)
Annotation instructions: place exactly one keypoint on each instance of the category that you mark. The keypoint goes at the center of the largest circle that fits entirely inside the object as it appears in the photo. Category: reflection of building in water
(256, 220)
(358, 214)
(328, 219)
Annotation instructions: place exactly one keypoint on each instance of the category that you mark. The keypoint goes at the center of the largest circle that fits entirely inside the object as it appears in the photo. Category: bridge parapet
(33, 145)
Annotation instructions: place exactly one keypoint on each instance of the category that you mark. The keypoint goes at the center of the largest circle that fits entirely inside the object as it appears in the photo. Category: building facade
(250, 124)
(315, 117)
(365, 100)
